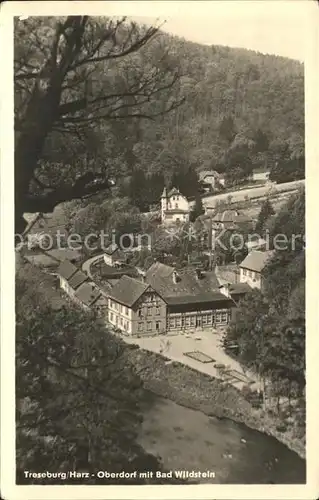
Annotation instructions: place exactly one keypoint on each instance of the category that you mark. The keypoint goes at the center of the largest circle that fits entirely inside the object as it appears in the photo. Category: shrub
(247, 392)
(281, 428)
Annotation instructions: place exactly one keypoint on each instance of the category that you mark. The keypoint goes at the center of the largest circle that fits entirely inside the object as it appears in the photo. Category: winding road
(86, 266)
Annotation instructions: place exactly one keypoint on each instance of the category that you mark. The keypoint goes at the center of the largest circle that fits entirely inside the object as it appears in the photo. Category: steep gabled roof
(206, 173)
(173, 191)
(256, 260)
(187, 289)
(77, 279)
(67, 269)
(128, 290)
(88, 293)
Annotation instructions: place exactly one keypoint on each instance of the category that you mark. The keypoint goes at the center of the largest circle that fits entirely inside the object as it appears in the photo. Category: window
(157, 325)
(171, 322)
(218, 317)
(204, 319)
(244, 272)
(121, 321)
(173, 198)
(149, 311)
(223, 317)
(188, 320)
(178, 322)
(149, 325)
(176, 205)
(111, 316)
(140, 327)
(192, 319)
(126, 311)
(116, 320)
(158, 311)
(139, 313)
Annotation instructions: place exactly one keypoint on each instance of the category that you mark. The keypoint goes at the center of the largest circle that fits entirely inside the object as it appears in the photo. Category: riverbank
(198, 391)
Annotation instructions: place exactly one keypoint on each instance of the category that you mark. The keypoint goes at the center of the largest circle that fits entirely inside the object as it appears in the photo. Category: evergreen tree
(265, 212)
(261, 141)
(198, 208)
(227, 129)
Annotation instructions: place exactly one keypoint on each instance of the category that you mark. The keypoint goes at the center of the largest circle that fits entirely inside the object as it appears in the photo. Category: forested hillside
(269, 328)
(130, 101)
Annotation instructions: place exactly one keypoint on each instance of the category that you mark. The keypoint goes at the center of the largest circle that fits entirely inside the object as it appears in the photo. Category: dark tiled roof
(240, 288)
(128, 290)
(113, 247)
(188, 289)
(116, 272)
(114, 250)
(227, 274)
(173, 191)
(64, 254)
(77, 279)
(88, 293)
(164, 193)
(67, 269)
(205, 173)
(231, 216)
(256, 260)
(41, 260)
(197, 299)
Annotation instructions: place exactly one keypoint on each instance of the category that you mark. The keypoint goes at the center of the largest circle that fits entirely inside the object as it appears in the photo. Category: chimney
(225, 289)
(175, 277)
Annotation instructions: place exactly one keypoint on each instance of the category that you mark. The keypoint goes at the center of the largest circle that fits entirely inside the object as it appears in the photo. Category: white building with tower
(174, 207)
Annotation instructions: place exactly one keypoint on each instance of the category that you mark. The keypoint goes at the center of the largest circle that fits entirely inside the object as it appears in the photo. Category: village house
(236, 291)
(193, 299)
(251, 268)
(231, 220)
(46, 230)
(114, 256)
(167, 301)
(77, 286)
(136, 309)
(256, 244)
(174, 207)
(260, 175)
(226, 220)
(211, 179)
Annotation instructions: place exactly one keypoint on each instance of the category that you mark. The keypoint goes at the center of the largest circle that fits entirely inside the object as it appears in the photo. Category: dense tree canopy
(78, 396)
(86, 88)
(71, 75)
(269, 327)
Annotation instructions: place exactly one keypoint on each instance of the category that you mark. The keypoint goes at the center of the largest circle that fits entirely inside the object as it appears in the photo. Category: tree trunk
(37, 124)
